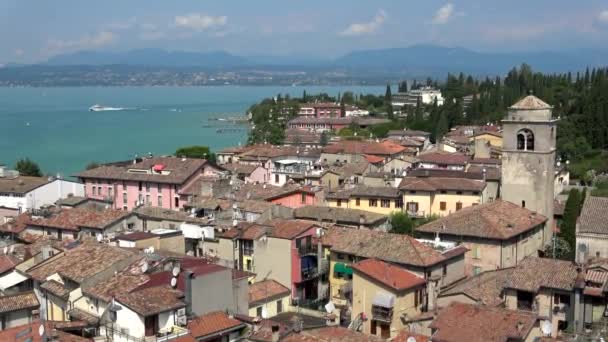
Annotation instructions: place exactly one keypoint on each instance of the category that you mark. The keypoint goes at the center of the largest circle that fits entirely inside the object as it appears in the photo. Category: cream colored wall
(534, 333)
(225, 250)
(492, 139)
(330, 180)
(271, 307)
(451, 198)
(423, 198)
(364, 290)
(272, 259)
(484, 254)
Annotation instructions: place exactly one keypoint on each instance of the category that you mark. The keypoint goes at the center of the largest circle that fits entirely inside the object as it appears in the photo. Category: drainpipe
(188, 292)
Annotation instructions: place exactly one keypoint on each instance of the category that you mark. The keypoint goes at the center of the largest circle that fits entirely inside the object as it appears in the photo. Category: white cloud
(98, 40)
(122, 25)
(19, 52)
(603, 16)
(199, 22)
(365, 28)
(444, 14)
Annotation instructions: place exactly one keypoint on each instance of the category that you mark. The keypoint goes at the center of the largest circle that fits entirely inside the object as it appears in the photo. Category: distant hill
(432, 59)
(150, 57)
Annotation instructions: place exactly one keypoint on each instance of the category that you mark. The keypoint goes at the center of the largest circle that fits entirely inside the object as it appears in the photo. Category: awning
(342, 268)
(11, 280)
(287, 161)
(384, 300)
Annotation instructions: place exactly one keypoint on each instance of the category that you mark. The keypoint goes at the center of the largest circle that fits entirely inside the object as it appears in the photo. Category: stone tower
(528, 158)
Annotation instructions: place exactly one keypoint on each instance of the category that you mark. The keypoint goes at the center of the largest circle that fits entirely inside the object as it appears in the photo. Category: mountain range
(414, 60)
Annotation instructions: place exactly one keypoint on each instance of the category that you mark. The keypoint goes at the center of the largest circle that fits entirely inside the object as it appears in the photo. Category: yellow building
(268, 298)
(379, 200)
(495, 139)
(441, 196)
(386, 295)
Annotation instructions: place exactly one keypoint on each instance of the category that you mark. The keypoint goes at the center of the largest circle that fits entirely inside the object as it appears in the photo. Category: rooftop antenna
(99, 237)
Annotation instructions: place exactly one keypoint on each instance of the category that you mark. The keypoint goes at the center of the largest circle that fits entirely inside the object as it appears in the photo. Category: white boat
(100, 108)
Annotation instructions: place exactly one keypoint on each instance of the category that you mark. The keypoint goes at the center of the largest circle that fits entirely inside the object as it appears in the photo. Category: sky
(34, 30)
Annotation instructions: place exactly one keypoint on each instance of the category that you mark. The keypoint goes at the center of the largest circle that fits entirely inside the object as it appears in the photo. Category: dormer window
(525, 140)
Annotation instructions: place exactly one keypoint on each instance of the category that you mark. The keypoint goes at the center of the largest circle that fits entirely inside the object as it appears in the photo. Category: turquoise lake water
(53, 126)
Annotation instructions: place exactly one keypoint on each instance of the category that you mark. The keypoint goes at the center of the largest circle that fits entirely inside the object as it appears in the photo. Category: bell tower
(528, 158)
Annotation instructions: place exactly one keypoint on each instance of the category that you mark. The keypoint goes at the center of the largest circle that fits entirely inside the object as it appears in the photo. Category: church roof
(531, 102)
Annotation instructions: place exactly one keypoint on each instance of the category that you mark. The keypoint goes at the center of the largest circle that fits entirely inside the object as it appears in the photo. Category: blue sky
(33, 30)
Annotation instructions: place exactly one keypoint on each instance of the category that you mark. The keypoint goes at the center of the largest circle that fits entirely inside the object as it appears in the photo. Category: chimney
(361, 221)
(188, 292)
(520, 326)
(484, 173)
(275, 332)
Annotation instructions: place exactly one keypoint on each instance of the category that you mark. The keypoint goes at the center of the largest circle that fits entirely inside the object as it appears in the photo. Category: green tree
(568, 226)
(200, 152)
(388, 103)
(27, 167)
(442, 126)
(401, 223)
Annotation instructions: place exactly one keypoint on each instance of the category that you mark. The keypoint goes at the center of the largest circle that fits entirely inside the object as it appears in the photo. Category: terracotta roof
(351, 169)
(500, 220)
(443, 173)
(152, 300)
(240, 169)
(301, 136)
(180, 170)
(373, 159)
(81, 315)
(534, 273)
(7, 263)
(73, 219)
(56, 288)
(265, 291)
(392, 276)
(82, 262)
(375, 191)
(434, 184)
(71, 201)
(406, 336)
(135, 236)
(158, 213)
(594, 216)
(212, 323)
(443, 158)
(21, 184)
(530, 102)
(266, 191)
(246, 231)
(121, 283)
(339, 215)
(385, 148)
(396, 248)
(19, 301)
(29, 332)
(486, 287)
(17, 225)
(475, 323)
(289, 229)
(330, 334)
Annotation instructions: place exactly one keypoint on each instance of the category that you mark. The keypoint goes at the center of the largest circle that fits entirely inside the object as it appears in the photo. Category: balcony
(289, 170)
(415, 214)
(382, 314)
(307, 250)
(310, 273)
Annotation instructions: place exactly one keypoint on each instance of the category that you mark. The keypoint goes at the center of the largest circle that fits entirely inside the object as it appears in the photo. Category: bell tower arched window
(525, 140)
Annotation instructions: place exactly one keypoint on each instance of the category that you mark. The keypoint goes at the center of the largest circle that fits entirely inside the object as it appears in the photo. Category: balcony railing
(308, 249)
(383, 314)
(310, 273)
(417, 213)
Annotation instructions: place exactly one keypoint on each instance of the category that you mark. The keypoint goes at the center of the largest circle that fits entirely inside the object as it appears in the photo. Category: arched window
(525, 140)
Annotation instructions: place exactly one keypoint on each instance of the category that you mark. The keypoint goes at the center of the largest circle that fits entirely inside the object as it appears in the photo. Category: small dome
(531, 102)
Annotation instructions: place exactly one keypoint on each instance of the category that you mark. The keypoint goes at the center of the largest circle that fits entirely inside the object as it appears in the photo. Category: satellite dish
(411, 339)
(99, 237)
(173, 282)
(175, 271)
(330, 307)
(144, 267)
(41, 330)
(234, 223)
(582, 248)
(5, 250)
(264, 313)
(546, 327)
(151, 249)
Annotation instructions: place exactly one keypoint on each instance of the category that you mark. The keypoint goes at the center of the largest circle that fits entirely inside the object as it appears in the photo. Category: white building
(426, 95)
(23, 193)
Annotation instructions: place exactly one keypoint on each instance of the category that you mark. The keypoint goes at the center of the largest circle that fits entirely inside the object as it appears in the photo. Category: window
(160, 201)
(523, 204)
(476, 252)
(385, 203)
(303, 198)
(525, 140)
(373, 202)
(140, 186)
(458, 206)
(258, 311)
(248, 265)
(442, 206)
(340, 256)
(476, 270)
(109, 191)
(94, 190)
(279, 306)
(99, 191)
(399, 203)
(176, 202)
(445, 270)
(458, 192)
(158, 187)
(443, 192)
(412, 207)
(412, 191)
(147, 187)
(561, 299)
(357, 201)
(124, 198)
(148, 201)
(476, 193)
(124, 185)
(276, 178)
(339, 203)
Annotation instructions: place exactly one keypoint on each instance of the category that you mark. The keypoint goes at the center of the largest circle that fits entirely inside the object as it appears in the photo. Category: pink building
(296, 198)
(163, 182)
(321, 110)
